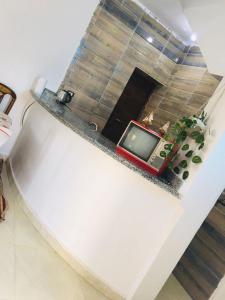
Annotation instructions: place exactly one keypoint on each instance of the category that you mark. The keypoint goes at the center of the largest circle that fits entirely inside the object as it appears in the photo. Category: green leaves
(176, 170)
(178, 131)
(183, 135)
(185, 147)
(163, 154)
(183, 164)
(169, 137)
(189, 153)
(198, 137)
(201, 146)
(168, 151)
(203, 117)
(170, 165)
(168, 146)
(188, 122)
(194, 134)
(196, 159)
(185, 175)
(177, 134)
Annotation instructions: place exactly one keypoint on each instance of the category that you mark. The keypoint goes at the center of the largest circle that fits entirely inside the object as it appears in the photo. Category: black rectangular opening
(130, 104)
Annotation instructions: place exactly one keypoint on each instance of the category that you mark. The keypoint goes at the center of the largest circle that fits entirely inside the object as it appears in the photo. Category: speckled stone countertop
(74, 122)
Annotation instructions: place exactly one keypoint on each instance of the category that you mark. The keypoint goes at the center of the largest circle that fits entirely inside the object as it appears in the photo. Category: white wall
(39, 38)
(207, 19)
(108, 217)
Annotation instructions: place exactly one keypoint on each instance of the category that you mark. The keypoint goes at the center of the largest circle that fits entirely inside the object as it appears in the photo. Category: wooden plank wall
(187, 93)
(120, 37)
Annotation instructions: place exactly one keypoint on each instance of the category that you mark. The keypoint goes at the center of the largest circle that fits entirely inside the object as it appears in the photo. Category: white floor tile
(30, 268)
(172, 290)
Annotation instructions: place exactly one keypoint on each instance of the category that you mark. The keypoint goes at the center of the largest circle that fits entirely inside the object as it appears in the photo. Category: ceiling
(207, 17)
(171, 14)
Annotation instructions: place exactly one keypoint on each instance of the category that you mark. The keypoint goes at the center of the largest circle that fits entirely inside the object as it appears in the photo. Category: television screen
(139, 142)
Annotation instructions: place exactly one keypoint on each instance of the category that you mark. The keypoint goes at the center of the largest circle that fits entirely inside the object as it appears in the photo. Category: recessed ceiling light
(150, 39)
(193, 37)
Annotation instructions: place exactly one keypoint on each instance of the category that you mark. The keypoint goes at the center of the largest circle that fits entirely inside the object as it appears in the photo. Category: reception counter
(74, 122)
(110, 219)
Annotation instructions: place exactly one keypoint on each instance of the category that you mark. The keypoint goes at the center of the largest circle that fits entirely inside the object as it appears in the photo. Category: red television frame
(135, 159)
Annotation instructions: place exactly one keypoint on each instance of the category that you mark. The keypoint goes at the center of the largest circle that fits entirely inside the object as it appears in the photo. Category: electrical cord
(24, 113)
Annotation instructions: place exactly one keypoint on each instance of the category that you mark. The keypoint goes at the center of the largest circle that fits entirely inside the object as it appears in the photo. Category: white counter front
(106, 216)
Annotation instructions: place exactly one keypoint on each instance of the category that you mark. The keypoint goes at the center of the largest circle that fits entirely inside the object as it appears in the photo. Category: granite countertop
(81, 127)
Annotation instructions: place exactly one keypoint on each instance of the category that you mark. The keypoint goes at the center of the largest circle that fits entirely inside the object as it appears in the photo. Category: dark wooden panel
(202, 266)
(217, 219)
(214, 244)
(210, 259)
(202, 271)
(194, 270)
(187, 281)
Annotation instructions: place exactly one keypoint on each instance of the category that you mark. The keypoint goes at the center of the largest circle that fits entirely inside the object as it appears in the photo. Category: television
(143, 147)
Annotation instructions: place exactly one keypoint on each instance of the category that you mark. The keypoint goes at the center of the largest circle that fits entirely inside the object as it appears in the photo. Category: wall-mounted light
(150, 39)
(194, 37)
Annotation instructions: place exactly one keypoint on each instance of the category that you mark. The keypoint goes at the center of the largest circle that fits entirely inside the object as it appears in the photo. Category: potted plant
(188, 137)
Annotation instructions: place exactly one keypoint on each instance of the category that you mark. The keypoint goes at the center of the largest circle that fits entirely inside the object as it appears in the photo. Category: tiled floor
(172, 290)
(31, 270)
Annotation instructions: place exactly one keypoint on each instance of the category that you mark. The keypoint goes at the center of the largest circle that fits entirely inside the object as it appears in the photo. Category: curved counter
(82, 128)
(108, 218)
